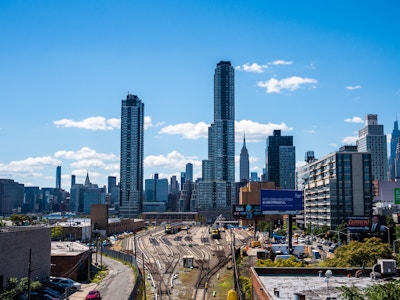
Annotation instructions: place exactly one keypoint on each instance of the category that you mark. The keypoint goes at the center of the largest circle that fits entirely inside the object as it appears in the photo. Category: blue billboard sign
(281, 202)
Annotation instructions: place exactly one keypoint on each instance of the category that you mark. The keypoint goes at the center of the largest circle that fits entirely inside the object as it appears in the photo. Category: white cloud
(97, 123)
(291, 83)
(309, 131)
(29, 167)
(92, 123)
(189, 131)
(256, 132)
(354, 87)
(112, 167)
(354, 120)
(147, 122)
(350, 140)
(333, 145)
(85, 153)
(88, 164)
(173, 160)
(254, 68)
(281, 62)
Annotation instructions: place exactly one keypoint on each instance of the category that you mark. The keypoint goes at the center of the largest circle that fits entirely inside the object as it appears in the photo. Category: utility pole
(144, 278)
(134, 242)
(29, 273)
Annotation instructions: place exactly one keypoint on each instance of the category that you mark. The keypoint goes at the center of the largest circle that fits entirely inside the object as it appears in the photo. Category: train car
(172, 228)
(168, 228)
(215, 232)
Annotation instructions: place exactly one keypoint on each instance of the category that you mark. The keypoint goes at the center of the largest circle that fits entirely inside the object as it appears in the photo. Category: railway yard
(185, 262)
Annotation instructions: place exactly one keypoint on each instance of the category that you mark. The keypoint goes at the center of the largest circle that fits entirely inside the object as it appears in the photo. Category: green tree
(281, 263)
(17, 219)
(56, 232)
(357, 254)
(388, 291)
(263, 226)
(245, 284)
(17, 286)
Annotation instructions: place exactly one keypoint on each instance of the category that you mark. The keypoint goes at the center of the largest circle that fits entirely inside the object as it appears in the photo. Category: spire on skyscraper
(87, 180)
(244, 165)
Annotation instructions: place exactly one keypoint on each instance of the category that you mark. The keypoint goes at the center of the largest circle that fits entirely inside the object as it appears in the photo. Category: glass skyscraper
(280, 160)
(394, 141)
(221, 134)
(189, 172)
(131, 176)
(216, 193)
(58, 177)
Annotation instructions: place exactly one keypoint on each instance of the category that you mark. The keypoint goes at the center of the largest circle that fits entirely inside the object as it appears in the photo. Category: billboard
(358, 224)
(396, 196)
(249, 211)
(281, 202)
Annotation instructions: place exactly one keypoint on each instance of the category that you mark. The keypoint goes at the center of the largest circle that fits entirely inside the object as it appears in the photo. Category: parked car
(93, 295)
(50, 291)
(69, 283)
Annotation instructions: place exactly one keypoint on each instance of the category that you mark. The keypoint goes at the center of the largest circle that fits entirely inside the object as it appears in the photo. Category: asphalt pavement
(82, 293)
(118, 284)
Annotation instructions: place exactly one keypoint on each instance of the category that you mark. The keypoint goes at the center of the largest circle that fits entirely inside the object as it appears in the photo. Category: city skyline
(312, 71)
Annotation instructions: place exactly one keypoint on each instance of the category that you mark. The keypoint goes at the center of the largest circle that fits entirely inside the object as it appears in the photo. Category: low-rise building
(25, 251)
(71, 260)
(309, 283)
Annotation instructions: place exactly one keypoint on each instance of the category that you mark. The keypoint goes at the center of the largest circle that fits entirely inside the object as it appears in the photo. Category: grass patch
(99, 276)
(223, 285)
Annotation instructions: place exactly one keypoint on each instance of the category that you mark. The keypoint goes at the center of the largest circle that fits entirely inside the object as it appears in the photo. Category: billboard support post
(290, 234)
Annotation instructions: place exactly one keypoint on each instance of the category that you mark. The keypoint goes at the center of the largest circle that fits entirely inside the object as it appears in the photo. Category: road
(118, 284)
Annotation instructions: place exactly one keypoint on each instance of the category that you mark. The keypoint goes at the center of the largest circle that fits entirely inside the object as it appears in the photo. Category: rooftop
(67, 248)
(314, 284)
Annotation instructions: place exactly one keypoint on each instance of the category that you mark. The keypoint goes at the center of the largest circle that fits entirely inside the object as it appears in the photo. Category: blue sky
(313, 69)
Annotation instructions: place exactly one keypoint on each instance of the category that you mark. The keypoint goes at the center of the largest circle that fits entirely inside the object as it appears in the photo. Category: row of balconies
(315, 217)
(319, 210)
(316, 199)
(317, 195)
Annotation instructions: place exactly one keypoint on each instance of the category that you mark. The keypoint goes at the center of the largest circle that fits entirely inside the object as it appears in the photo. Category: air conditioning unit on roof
(388, 266)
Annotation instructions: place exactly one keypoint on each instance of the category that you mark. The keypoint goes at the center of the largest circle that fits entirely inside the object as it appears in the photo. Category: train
(215, 232)
(172, 228)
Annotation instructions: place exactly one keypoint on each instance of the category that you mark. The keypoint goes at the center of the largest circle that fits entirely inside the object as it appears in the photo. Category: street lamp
(328, 274)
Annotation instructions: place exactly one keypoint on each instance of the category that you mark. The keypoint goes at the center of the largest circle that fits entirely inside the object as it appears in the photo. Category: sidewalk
(82, 293)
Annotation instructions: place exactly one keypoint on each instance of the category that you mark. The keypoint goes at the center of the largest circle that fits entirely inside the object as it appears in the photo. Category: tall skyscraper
(221, 134)
(394, 141)
(217, 191)
(244, 163)
(112, 183)
(58, 177)
(397, 162)
(280, 160)
(131, 177)
(183, 179)
(173, 185)
(189, 172)
(372, 139)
